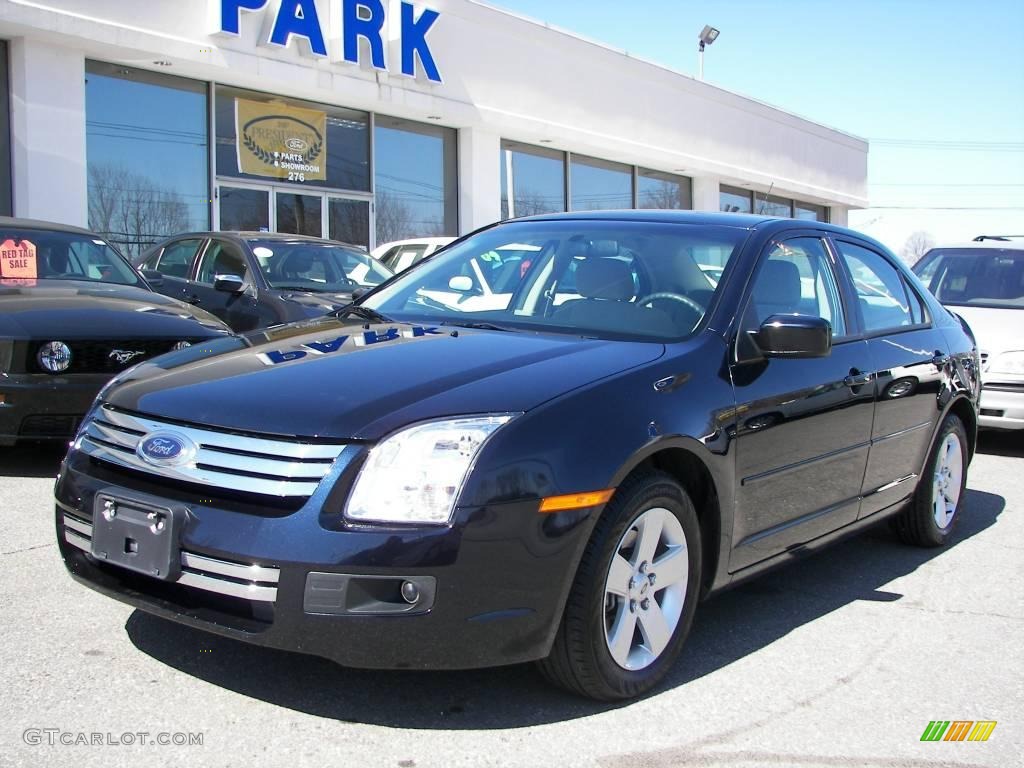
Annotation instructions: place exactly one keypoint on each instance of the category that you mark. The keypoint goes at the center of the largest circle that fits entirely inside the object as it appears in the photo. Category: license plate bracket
(138, 535)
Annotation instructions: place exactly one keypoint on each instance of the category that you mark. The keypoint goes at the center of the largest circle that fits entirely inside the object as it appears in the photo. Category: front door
(294, 211)
(241, 311)
(803, 425)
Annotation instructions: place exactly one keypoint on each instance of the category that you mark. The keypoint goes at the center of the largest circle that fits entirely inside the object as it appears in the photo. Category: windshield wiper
(357, 310)
(477, 325)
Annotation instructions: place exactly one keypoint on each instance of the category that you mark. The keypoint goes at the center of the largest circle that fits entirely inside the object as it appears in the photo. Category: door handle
(858, 379)
(192, 299)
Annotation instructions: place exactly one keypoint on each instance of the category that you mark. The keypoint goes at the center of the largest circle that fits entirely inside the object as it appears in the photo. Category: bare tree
(663, 194)
(917, 245)
(394, 218)
(132, 210)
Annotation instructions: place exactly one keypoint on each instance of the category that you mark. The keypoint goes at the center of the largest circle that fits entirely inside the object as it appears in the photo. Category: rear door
(908, 360)
(803, 425)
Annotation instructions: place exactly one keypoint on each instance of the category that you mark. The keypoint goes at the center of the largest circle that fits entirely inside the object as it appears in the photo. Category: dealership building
(373, 120)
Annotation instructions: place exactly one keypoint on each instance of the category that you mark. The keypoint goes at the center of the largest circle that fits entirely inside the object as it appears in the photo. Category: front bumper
(500, 574)
(45, 407)
(1002, 405)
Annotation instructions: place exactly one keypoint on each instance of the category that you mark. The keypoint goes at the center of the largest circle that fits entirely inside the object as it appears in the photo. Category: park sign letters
(347, 22)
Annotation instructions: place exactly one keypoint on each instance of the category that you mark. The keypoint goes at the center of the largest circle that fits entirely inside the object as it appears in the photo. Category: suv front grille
(265, 466)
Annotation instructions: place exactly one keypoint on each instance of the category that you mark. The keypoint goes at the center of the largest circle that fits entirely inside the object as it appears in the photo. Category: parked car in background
(73, 313)
(254, 279)
(410, 484)
(402, 254)
(983, 282)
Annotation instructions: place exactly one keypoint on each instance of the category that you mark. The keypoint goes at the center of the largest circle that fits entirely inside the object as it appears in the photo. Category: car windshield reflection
(587, 278)
(35, 254)
(317, 267)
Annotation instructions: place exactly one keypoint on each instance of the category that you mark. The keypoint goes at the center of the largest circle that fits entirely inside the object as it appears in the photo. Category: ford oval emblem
(166, 449)
(296, 144)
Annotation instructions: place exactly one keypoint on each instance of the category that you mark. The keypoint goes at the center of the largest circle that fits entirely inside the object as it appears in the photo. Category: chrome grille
(250, 582)
(269, 467)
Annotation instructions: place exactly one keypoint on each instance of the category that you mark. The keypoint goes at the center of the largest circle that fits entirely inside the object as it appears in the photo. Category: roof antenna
(765, 201)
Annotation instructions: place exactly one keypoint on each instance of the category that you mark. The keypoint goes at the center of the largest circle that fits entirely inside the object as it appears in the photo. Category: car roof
(52, 226)
(283, 237)
(982, 245)
(418, 241)
(741, 220)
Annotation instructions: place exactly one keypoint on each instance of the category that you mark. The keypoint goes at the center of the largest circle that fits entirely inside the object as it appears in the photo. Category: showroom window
(415, 180)
(532, 180)
(598, 185)
(735, 200)
(147, 155)
(326, 146)
(655, 189)
(6, 207)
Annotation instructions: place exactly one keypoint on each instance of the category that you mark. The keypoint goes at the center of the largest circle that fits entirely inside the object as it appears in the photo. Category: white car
(983, 282)
(402, 254)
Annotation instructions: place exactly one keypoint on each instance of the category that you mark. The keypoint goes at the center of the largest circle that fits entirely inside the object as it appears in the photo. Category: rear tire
(932, 514)
(632, 602)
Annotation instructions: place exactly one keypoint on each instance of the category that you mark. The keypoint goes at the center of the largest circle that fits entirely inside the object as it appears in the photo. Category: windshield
(605, 279)
(982, 277)
(31, 254)
(318, 267)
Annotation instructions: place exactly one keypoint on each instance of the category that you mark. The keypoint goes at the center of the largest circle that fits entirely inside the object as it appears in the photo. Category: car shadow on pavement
(727, 628)
(1002, 443)
(32, 459)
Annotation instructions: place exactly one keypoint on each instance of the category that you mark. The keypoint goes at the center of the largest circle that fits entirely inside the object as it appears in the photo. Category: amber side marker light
(575, 501)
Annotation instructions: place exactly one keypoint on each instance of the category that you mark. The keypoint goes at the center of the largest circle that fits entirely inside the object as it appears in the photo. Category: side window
(151, 262)
(176, 258)
(221, 258)
(796, 278)
(881, 291)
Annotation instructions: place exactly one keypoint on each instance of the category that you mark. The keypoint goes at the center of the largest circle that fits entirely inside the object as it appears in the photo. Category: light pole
(708, 35)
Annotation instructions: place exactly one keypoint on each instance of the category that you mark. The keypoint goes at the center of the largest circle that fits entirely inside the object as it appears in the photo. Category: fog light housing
(54, 356)
(410, 592)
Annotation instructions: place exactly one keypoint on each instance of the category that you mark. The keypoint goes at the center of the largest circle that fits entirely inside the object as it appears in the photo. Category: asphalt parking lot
(840, 659)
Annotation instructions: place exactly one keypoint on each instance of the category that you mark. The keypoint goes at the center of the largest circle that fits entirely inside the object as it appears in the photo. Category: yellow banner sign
(280, 141)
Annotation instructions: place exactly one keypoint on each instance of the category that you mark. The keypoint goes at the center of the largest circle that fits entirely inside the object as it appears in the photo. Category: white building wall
(48, 132)
(504, 77)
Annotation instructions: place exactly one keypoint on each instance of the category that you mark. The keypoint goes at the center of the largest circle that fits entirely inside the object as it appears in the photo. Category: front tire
(932, 514)
(635, 592)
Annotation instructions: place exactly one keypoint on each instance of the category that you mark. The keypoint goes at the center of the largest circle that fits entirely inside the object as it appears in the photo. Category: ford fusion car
(73, 314)
(412, 484)
(983, 282)
(252, 280)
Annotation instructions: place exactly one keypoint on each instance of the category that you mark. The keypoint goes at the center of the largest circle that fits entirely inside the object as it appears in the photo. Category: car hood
(70, 309)
(996, 330)
(316, 303)
(323, 378)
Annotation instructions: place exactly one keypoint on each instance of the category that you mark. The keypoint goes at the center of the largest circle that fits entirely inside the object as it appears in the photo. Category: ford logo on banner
(166, 449)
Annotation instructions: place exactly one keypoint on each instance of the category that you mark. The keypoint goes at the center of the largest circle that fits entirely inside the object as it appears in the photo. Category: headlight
(6, 354)
(1008, 362)
(54, 356)
(416, 475)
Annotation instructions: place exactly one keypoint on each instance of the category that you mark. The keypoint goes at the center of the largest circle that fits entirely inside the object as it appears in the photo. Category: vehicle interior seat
(57, 259)
(777, 290)
(606, 285)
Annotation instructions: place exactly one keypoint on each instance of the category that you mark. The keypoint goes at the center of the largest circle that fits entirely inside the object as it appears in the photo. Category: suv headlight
(1008, 362)
(416, 475)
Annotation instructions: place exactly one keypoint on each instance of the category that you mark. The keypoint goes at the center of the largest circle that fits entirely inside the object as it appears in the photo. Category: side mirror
(228, 283)
(154, 278)
(795, 336)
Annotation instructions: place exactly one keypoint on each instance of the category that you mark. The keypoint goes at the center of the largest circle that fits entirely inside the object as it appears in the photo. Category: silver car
(983, 282)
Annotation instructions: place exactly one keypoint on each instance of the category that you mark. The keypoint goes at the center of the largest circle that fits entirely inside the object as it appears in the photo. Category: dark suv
(559, 476)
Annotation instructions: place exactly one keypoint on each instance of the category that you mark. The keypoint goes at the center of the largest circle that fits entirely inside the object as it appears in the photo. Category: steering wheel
(694, 305)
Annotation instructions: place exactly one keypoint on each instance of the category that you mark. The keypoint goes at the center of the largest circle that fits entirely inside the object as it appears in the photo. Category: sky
(936, 86)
